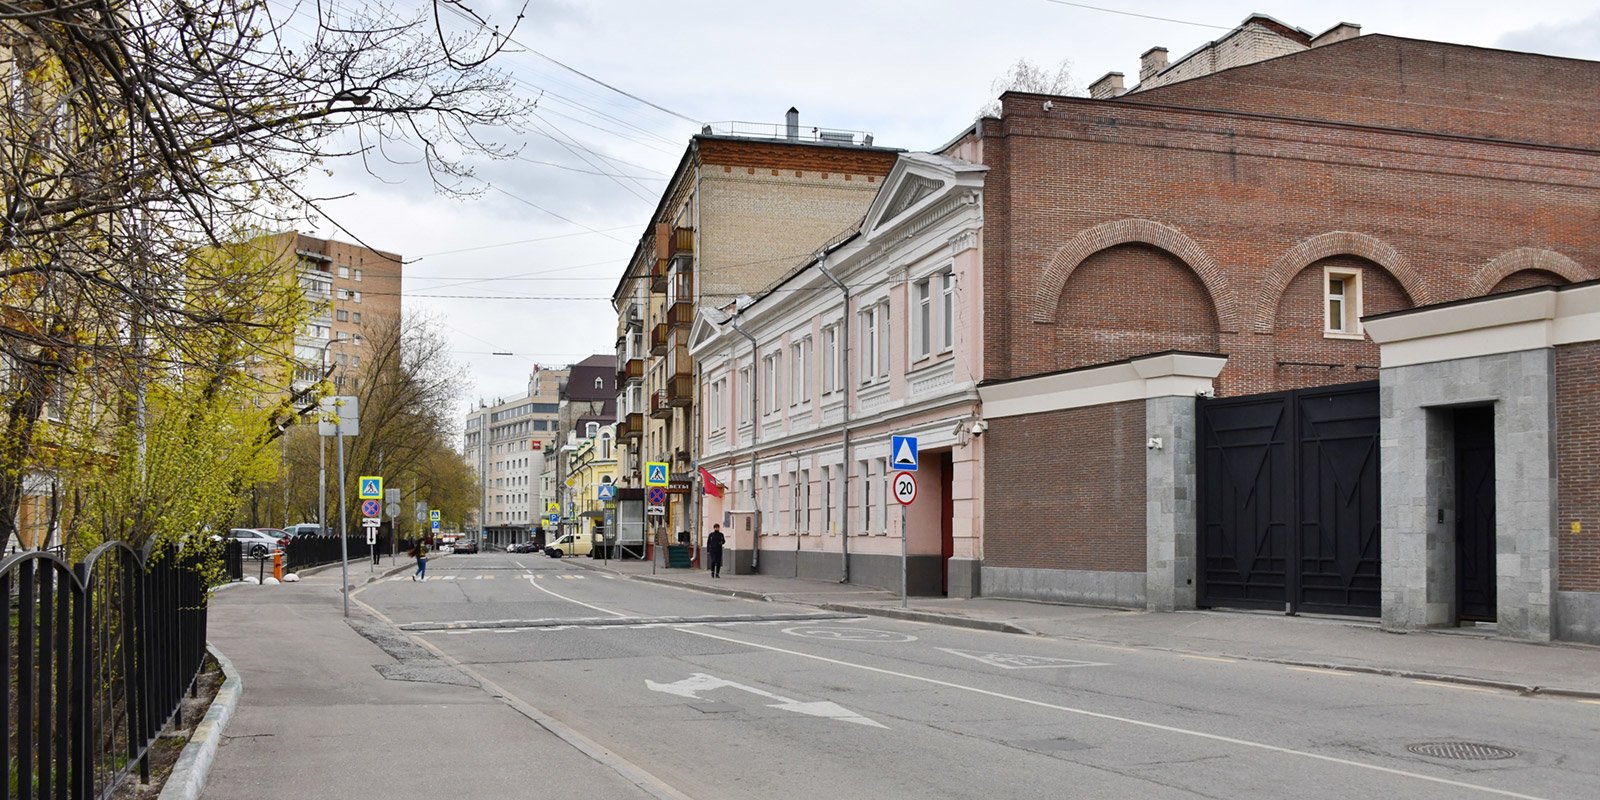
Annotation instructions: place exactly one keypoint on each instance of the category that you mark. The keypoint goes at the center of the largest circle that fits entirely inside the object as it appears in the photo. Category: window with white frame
(358, 274)
(799, 377)
(344, 272)
(883, 340)
(883, 494)
(591, 430)
(869, 344)
(805, 501)
(714, 411)
(769, 394)
(796, 503)
(922, 318)
(866, 497)
(827, 499)
(1342, 302)
(830, 359)
(744, 393)
(599, 383)
(947, 310)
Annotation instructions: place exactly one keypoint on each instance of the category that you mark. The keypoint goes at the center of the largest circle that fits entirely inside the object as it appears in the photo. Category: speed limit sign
(905, 488)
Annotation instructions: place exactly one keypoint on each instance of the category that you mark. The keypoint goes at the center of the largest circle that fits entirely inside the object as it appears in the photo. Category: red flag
(712, 486)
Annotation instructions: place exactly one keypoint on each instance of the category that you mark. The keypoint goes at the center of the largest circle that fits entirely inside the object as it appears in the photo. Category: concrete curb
(700, 587)
(189, 774)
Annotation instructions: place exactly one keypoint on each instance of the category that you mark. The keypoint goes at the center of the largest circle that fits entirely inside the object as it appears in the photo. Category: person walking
(714, 550)
(420, 553)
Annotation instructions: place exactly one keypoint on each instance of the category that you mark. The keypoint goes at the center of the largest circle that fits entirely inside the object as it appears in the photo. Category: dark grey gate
(1288, 500)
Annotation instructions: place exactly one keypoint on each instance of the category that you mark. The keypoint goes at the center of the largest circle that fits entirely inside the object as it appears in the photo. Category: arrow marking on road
(691, 687)
(1018, 661)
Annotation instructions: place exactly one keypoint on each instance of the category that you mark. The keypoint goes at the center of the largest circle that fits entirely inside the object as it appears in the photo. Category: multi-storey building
(588, 404)
(875, 337)
(508, 444)
(744, 207)
(352, 290)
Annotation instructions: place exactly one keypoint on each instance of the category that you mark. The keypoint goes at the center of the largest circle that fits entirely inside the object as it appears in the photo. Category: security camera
(979, 427)
(1048, 105)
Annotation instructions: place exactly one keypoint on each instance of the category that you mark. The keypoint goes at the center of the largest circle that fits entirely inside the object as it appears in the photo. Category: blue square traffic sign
(903, 453)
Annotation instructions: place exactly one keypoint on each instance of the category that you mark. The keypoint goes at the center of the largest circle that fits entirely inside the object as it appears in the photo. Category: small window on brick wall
(1341, 303)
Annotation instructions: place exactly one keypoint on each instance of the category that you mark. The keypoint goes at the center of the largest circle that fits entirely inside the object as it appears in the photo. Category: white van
(570, 544)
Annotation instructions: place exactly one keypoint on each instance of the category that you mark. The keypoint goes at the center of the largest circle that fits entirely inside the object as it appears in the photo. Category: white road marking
(1018, 661)
(849, 634)
(691, 686)
(1208, 658)
(1329, 672)
(1457, 686)
(535, 584)
(1125, 720)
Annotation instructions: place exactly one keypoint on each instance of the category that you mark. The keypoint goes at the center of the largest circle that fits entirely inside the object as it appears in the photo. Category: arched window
(605, 449)
(599, 383)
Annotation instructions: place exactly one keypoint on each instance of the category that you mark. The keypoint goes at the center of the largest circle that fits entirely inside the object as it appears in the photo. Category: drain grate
(1462, 751)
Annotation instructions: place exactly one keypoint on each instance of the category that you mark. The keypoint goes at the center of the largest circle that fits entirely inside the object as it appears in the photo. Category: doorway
(1475, 514)
(947, 539)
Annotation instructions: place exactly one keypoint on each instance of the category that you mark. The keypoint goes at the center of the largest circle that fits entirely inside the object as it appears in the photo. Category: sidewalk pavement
(1469, 655)
(356, 709)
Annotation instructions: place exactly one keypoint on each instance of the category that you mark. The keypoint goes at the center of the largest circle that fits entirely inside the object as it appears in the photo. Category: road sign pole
(902, 556)
(344, 541)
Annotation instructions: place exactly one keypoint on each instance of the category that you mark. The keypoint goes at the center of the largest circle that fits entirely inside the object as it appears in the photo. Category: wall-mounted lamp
(1154, 443)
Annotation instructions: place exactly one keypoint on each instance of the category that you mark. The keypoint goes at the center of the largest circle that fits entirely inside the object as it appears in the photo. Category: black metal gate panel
(1475, 514)
(1288, 501)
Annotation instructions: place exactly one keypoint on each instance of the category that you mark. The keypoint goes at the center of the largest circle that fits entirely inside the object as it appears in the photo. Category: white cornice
(1165, 375)
(1524, 321)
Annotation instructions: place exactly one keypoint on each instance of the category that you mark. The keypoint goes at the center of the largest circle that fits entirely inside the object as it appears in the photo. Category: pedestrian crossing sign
(903, 452)
(607, 492)
(655, 473)
(371, 487)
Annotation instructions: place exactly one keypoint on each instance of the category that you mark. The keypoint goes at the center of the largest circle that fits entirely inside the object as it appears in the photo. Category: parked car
(253, 542)
(466, 546)
(523, 547)
(304, 529)
(280, 534)
(572, 544)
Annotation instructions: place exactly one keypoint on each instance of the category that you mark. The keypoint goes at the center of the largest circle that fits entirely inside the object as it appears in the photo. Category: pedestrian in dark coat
(714, 544)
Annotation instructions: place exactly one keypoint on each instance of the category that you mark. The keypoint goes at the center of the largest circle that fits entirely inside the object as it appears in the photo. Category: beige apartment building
(353, 289)
(747, 204)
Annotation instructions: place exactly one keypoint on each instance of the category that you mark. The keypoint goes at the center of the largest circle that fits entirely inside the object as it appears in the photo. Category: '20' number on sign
(905, 488)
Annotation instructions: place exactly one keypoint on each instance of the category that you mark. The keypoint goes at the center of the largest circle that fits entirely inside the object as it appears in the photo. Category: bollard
(277, 564)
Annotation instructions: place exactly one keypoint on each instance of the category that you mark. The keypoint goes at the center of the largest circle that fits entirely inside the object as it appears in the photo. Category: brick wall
(1252, 206)
(1578, 465)
(1067, 490)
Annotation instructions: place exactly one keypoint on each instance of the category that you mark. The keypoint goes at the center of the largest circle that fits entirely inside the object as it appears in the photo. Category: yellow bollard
(277, 564)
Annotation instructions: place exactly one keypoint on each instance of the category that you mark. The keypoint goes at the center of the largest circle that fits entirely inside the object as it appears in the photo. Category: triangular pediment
(702, 331)
(917, 181)
(912, 189)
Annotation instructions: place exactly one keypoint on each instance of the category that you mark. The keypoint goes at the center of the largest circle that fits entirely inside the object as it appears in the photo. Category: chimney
(793, 121)
(1109, 86)
(1337, 33)
(1153, 61)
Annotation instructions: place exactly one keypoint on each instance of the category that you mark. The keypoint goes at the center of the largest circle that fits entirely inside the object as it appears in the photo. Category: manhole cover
(1461, 751)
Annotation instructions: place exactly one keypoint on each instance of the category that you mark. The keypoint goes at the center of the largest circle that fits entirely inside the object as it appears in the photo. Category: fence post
(82, 757)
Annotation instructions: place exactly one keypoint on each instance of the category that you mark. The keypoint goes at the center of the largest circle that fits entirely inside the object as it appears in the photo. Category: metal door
(1288, 501)
(1475, 513)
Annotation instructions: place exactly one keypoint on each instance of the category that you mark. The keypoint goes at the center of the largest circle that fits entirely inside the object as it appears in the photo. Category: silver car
(253, 542)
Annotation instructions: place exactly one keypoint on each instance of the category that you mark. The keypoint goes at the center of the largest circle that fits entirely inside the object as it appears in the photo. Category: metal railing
(98, 656)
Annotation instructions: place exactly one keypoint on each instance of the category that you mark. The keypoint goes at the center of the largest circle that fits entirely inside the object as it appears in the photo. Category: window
(770, 396)
(344, 294)
(605, 445)
(830, 358)
(744, 388)
(869, 344)
(866, 497)
(356, 296)
(803, 494)
(344, 272)
(591, 430)
(883, 496)
(358, 339)
(922, 318)
(599, 383)
(358, 274)
(799, 380)
(796, 503)
(947, 310)
(342, 315)
(1342, 303)
(827, 499)
(356, 317)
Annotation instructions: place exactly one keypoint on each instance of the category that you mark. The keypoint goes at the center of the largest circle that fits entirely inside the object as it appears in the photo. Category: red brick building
(1243, 223)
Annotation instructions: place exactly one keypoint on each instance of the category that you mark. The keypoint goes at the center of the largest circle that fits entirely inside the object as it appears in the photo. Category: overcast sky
(912, 72)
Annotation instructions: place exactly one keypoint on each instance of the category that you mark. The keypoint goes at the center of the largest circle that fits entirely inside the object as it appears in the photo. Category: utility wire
(1140, 16)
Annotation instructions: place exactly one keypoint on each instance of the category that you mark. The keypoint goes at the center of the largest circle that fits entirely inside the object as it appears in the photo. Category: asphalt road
(711, 697)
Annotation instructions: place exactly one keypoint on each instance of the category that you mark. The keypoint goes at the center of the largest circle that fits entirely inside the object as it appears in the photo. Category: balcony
(680, 314)
(680, 390)
(632, 370)
(658, 339)
(660, 408)
(680, 243)
(631, 426)
(658, 276)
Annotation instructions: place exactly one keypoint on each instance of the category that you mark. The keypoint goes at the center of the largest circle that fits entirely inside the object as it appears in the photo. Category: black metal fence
(98, 656)
(312, 551)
